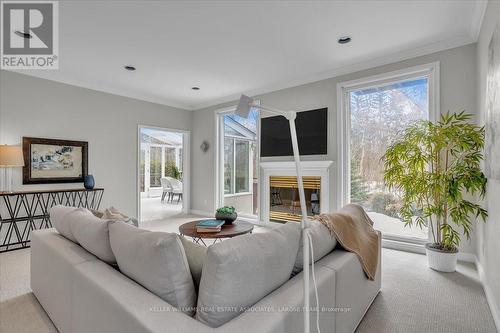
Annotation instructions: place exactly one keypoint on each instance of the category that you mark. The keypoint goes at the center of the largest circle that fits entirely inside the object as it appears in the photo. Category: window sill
(237, 194)
(403, 246)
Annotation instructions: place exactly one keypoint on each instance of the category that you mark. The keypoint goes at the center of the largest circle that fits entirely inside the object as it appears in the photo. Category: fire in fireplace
(284, 197)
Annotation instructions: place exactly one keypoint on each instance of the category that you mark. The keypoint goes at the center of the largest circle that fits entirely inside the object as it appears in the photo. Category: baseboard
(403, 246)
(200, 212)
(494, 308)
(467, 257)
(420, 249)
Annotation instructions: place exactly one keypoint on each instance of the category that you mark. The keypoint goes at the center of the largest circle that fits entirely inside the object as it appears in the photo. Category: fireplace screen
(284, 197)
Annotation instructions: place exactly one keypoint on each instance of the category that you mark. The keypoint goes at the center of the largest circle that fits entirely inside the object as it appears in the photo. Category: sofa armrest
(353, 290)
(53, 258)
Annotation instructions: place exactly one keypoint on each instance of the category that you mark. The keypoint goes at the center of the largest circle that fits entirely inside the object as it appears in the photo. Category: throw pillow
(92, 233)
(157, 261)
(240, 271)
(113, 214)
(323, 243)
(62, 217)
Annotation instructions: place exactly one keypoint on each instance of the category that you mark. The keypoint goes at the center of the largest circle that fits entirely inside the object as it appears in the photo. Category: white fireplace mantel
(309, 168)
(306, 165)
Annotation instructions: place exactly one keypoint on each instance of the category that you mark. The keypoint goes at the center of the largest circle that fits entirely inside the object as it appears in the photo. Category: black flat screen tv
(312, 134)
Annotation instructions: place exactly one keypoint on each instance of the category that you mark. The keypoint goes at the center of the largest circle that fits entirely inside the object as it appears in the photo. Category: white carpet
(413, 298)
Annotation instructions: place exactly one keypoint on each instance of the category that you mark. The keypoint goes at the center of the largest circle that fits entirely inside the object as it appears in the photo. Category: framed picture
(49, 161)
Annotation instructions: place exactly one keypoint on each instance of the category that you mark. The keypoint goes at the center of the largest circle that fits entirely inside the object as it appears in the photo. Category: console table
(22, 212)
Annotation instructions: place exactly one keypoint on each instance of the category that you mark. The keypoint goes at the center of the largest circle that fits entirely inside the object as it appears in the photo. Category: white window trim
(219, 160)
(430, 70)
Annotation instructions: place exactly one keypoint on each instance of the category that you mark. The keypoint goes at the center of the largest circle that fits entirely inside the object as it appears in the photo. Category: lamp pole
(291, 116)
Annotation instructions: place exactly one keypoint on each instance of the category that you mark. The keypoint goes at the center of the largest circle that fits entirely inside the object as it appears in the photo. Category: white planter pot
(440, 260)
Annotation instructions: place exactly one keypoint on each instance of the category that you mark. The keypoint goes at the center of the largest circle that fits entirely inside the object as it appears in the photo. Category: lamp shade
(11, 156)
(244, 106)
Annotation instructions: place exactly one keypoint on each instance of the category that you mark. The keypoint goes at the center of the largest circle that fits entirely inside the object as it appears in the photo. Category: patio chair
(167, 188)
(176, 188)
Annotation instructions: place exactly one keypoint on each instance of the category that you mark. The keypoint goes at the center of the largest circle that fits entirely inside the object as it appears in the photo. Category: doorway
(163, 173)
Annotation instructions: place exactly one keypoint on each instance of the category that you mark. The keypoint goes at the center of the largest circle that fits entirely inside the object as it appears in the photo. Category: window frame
(430, 71)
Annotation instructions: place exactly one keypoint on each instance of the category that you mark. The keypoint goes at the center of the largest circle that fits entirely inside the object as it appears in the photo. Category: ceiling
(228, 48)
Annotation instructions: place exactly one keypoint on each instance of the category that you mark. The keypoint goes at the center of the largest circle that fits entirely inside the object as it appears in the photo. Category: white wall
(488, 245)
(41, 108)
(458, 92)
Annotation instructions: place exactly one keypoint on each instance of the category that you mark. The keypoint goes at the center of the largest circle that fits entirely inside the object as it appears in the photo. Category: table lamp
(11, 156)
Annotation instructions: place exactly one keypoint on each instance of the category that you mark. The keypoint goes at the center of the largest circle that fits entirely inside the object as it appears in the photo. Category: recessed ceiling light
(129, 68)
(23, 34)
(344, 40)
(195, 88)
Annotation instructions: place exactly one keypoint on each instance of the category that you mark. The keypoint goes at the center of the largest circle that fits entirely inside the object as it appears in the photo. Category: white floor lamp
(243, 109)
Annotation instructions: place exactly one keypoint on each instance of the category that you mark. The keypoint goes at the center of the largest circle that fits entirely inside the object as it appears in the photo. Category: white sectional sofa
(81, 293)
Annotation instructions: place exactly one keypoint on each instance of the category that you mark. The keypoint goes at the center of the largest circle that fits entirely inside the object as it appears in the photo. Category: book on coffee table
(209, 226)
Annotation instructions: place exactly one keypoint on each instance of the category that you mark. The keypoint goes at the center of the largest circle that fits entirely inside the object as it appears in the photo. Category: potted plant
(435, 167)
(226, 213)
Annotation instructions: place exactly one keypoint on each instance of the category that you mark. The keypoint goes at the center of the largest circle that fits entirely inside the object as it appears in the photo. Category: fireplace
(284, 199)
(279, 195)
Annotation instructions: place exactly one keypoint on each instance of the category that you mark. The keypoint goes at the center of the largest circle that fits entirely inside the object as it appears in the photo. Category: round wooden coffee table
(227, 231)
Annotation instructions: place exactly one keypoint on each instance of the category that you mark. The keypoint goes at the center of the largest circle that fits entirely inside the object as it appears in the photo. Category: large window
(238, 162)
(376, 111)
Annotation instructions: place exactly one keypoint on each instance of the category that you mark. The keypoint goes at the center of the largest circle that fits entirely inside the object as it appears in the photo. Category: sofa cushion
(196, 255)
(240, 271)
(157, 261)
(323, 243)
(92, 233)
(61, 218)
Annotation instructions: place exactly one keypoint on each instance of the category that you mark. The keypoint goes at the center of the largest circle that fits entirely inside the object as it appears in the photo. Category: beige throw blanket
(353, 230)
